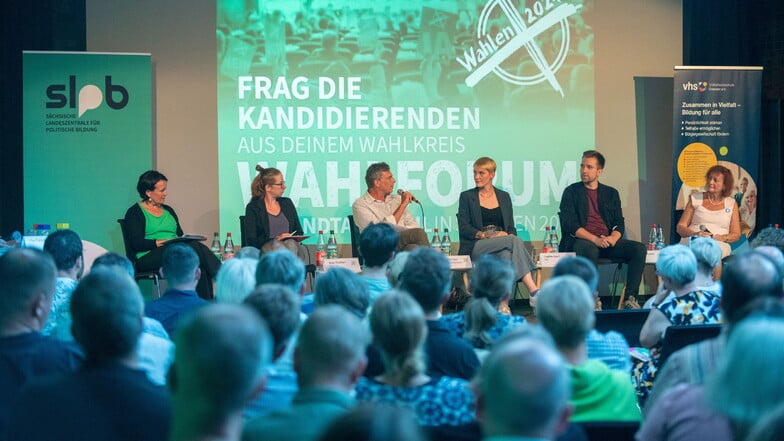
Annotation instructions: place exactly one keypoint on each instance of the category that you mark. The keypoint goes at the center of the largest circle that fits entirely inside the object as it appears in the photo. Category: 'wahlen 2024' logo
(90, 95)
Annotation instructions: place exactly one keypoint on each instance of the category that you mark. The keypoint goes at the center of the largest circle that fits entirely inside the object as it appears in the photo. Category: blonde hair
(485, 163)
(265, 177)
(399, 330)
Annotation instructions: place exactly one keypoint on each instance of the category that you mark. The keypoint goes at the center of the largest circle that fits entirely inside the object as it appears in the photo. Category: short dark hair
(594, 154)
(769, 236)
(147, 182)
(65, 247)
(279, 307)
(107, 310)
(374, 172)
(179, 262)
(377, 243)
(578, 266)
(24, 273)
(115, 260)
(746, 277)
(426, 277)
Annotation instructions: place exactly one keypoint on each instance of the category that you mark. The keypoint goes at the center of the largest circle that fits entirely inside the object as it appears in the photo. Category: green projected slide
(322, 89)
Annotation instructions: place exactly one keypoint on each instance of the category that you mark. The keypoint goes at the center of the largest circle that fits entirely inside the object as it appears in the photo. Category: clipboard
(186, 238)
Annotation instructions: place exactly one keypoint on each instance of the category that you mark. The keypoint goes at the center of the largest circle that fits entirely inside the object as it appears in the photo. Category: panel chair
(139, 275)
(616, 278)
(355, 240)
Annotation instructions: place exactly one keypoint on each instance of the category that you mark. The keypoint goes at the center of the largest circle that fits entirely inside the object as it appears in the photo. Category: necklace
(712, 202)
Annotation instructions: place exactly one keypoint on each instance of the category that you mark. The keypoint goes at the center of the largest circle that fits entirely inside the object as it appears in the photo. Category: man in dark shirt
(592, 222)
(180, 266)
(27, 281)
(427, 278)
(108, 398)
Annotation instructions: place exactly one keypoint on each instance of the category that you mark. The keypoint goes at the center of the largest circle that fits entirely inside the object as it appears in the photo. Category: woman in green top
(150, 223)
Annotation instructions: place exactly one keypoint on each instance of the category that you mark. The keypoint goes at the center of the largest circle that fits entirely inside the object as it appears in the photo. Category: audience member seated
(397, 323)
(236, 280)
(747, 278)
(150, 223)
(281, 267)
(769, 236)
(156, 350)
(677, 268)
(65, 247)
(513, 405)
(769, 427)
(708, 255)
(377, 244)
(221, 360)
(480, 322)
(108, 397)
(369, 422)
(278, 306)
(180, 266)
(396, 268)
(566, 310)
(329, 359)
(427, 278)
(745, 387)
(343, 287)
(27, 286)
(611, 348)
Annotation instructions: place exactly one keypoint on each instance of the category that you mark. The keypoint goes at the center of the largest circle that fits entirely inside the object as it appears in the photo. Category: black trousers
(208, 263)
(630, 251)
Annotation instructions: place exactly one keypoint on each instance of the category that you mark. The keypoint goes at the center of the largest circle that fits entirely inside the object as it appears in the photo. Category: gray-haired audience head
(236, 279)
(769, 236)
(221, 356)
(27, 283)
(107, 310)
(114, 260)
(339, 286)
(374, 422)
(282, 267)
(493, 279)
(707, 252)
(534, 405)
(395, 268)
(746, 384)
(180, 265)
(65, 247)
(581, 267)
(746, 277)
(248, 252)
(677, 264)
(775, 255)
(566, 310)
(427, 278)
(377, 244)
(279, 307)
(331, 348)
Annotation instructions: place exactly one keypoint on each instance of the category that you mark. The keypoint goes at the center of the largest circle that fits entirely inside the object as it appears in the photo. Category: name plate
(349, 263)
(651, 256)
(549, 260)
(34, 242)
(460, 263)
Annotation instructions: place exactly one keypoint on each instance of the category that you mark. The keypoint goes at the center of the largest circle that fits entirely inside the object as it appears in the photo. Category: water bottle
(446, 243)
(554, 239)
(435, 242)
(546, 244)
(321, 251)
(652, 238)
(228, 248)
(44, 229)
(659, 237)
(332, 246)
(216, 246)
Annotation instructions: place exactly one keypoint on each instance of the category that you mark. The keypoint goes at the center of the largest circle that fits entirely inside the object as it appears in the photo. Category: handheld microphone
(400, 192)
(705, 229)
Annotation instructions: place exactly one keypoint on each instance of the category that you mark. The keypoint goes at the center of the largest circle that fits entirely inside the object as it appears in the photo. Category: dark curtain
(741, 33)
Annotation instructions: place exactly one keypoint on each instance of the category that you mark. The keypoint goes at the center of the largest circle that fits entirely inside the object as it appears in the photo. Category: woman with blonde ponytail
(270, 216)
(399, 330)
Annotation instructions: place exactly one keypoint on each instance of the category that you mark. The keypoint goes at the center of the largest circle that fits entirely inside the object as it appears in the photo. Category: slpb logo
(695, 87)
(90, 95)
(496, 45)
